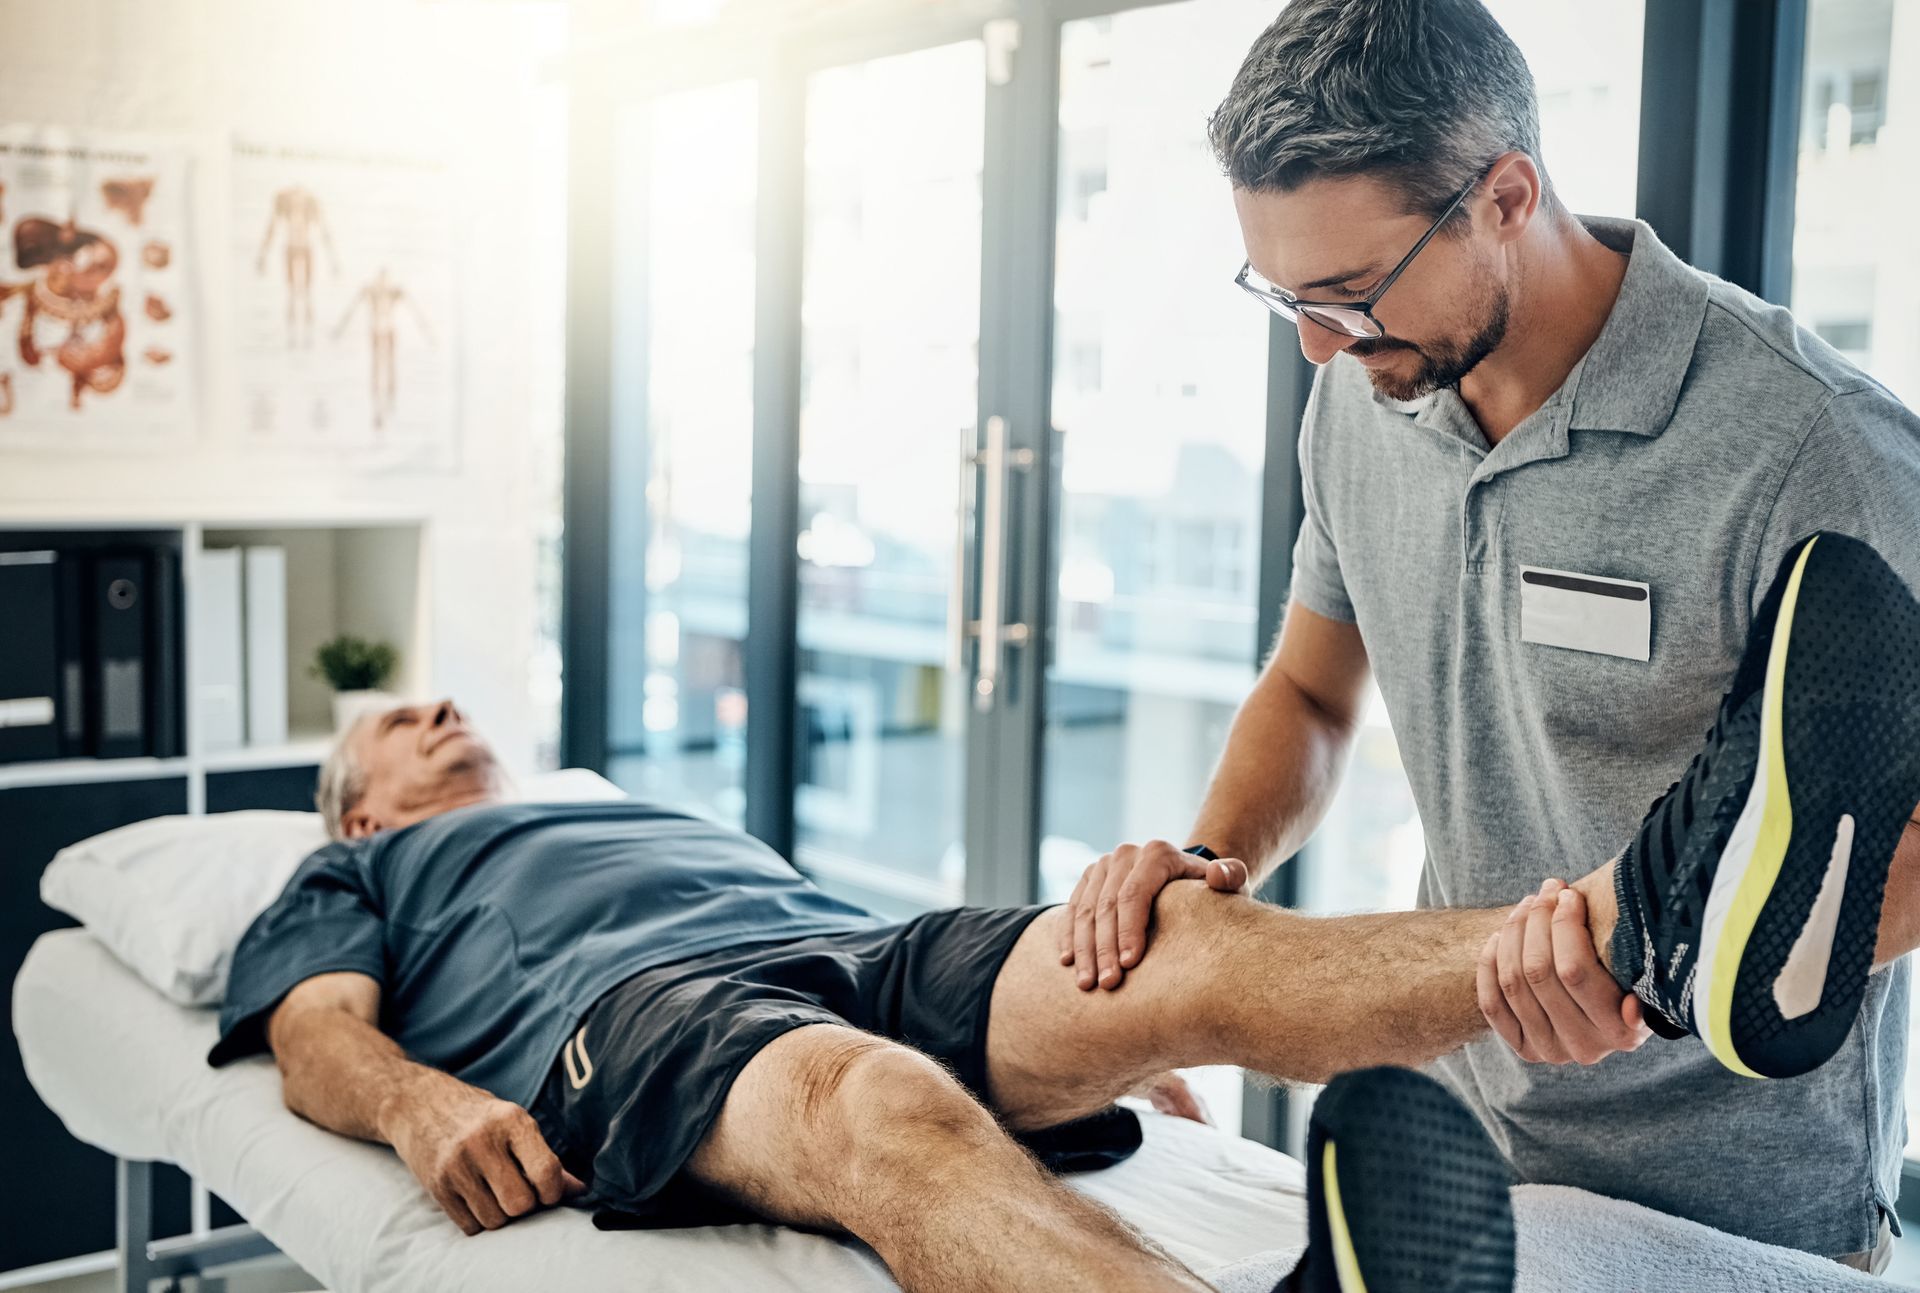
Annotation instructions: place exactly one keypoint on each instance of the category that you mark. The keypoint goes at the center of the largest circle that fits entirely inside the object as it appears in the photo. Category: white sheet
(125, 1069)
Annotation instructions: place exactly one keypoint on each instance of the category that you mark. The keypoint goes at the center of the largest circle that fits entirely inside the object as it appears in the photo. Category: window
(1852, 281)
(1159, 409)
(890, 318)
(683, 434)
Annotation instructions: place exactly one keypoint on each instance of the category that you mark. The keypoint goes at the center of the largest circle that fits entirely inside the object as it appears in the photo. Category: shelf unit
(346, 573)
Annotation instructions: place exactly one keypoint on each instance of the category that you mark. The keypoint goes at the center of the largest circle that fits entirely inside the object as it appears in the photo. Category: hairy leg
(836, 1129)
(1232, 981)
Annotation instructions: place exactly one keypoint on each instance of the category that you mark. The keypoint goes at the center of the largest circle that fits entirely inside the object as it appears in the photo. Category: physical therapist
(1505, 390)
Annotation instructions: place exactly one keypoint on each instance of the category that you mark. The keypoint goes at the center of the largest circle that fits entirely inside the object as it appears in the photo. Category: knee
(1190, 909)
(903, 1090)
(892, 1102)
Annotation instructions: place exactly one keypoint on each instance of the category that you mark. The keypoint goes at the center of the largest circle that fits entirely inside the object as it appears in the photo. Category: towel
(1571, 1239)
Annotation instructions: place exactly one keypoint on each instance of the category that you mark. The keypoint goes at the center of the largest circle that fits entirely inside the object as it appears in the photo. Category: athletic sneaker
(1750, 898)
(1405, 1193)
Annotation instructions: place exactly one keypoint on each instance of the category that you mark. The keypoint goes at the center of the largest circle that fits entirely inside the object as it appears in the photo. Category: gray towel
(1571, 1239)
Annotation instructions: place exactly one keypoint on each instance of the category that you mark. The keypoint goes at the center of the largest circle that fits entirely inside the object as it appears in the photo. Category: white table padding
(125, 1070)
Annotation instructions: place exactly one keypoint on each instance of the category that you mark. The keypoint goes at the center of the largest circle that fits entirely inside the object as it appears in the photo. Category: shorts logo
(581, 1073)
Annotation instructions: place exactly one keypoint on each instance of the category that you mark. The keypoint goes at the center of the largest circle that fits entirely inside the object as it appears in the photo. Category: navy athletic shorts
(642, 1080)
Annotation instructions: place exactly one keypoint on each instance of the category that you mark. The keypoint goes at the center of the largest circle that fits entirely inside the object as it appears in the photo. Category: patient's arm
(482, 1159)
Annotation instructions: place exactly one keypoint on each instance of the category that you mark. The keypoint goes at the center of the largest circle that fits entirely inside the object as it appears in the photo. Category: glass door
(1853, 273)
(1160, 417)
(889, 345)
(683, 427)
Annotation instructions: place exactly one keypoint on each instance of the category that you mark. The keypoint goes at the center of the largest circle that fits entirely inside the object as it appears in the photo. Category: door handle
(959, 627)
(997, 463)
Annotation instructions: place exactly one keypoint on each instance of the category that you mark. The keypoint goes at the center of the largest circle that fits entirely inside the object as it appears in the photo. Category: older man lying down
(657, 1017)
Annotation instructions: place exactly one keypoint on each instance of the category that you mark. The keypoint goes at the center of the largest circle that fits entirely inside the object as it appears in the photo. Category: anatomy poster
(344, 325)
(96, 335)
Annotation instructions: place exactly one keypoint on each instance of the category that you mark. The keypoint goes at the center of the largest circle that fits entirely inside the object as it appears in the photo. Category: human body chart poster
(96, 324)
(344, 322)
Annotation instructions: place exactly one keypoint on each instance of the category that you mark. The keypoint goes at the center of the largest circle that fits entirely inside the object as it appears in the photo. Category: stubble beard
(1444, 364)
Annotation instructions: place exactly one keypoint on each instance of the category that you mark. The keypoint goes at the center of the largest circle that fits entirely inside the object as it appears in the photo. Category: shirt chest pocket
(1610, 711)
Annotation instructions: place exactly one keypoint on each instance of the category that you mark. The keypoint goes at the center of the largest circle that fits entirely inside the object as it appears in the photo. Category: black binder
(118, 693)
(72, 597)
(29, 663)
(166, 737)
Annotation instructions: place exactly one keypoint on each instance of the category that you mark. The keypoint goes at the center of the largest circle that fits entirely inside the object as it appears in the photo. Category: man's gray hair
(1423, 94)
(343, 780)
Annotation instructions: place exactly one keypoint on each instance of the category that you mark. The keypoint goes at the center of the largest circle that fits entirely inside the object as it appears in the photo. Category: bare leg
(833, 1128)
(1232, 981)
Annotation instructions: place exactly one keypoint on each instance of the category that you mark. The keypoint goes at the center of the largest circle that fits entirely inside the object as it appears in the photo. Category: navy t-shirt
(492, 929)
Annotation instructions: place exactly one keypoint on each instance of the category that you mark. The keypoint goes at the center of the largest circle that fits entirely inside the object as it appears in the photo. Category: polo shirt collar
(1630, 378)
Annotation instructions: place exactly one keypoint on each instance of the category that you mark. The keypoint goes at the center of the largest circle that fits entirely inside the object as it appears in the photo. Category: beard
(1442, 363)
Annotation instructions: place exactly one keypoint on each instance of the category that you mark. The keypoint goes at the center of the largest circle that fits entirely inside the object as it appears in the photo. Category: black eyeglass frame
(1292, 308)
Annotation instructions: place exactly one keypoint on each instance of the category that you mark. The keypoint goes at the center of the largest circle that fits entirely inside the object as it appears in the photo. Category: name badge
(1586, 613)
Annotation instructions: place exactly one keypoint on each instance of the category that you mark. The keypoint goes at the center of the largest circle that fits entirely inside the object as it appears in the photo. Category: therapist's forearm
(1900, 912)
(342, 1073)
(1279, 772)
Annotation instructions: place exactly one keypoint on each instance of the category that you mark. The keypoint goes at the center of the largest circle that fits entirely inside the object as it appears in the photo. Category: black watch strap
(1202, 852)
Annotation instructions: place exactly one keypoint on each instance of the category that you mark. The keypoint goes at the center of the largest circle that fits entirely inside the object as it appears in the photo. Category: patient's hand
(482, 1159)
(1543, 989)
(1170, 1094)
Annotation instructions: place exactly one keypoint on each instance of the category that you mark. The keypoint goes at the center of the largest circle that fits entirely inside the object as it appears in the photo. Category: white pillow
(171, 896)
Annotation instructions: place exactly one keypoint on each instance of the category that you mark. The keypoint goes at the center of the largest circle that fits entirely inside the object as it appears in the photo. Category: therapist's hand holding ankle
(1543, 987)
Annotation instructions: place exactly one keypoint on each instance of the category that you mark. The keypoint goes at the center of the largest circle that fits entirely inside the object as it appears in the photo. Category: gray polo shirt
(1699, 437)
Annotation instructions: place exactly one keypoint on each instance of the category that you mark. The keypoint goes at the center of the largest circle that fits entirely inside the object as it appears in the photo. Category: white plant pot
(348, 706)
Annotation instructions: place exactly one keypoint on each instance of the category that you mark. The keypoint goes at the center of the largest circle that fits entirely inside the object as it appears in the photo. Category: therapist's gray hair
(1424, 94)
(343, 780)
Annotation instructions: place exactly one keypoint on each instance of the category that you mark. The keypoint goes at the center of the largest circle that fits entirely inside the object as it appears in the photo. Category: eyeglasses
(1350, 318)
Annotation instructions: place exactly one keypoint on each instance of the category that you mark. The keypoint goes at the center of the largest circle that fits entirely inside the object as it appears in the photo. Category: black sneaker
(1405, 1193)
(1750, 898)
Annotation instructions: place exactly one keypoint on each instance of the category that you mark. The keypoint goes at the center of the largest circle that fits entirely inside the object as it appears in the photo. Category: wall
(472, 81)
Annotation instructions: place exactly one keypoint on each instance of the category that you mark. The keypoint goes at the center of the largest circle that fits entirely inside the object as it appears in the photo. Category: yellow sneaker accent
(1770, 847)
(1345, 1263)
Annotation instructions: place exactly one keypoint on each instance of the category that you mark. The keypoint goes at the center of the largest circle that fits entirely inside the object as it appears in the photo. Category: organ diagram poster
(344, 326)
(96, 325)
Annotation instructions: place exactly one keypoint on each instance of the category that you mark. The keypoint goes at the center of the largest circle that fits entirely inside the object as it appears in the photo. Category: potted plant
(358, 671)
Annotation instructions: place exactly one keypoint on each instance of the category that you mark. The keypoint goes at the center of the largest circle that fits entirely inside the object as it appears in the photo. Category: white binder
(266, 619)
(218, 659)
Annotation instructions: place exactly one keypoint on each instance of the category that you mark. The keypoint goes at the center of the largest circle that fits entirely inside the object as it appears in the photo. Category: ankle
(1603, 911)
